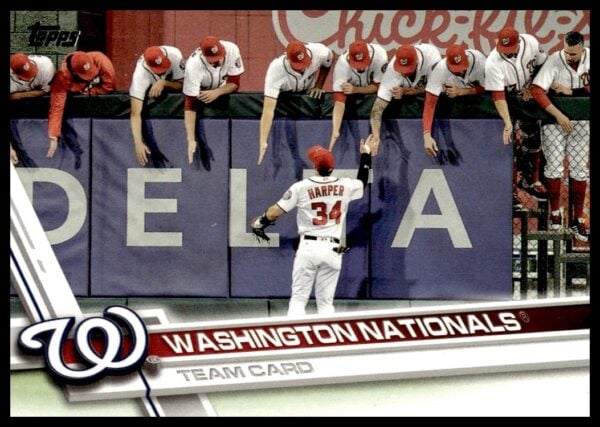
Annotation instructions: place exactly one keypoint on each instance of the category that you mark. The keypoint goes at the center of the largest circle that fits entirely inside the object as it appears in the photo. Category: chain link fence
(535, 242)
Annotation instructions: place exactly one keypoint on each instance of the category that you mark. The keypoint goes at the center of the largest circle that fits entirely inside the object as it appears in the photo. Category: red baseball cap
(83, 66)
(406, 59)
(212, 49)
(23, 67)
(508, 40)
(358, 55)
(297, 54)
(456, 58)
(157, 60)
(320, 157)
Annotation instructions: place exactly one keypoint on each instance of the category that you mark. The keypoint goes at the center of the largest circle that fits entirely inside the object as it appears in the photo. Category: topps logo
(43, 35)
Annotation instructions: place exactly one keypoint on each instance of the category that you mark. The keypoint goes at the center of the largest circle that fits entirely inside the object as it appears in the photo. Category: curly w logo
(98, 346)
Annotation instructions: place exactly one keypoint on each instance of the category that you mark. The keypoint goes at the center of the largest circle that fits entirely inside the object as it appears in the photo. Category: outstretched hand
(367, 145)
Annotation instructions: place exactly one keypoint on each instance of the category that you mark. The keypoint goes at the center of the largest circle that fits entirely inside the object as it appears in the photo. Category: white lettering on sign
(138, 206)
(76, 199)
(283, 337)
(432, 181)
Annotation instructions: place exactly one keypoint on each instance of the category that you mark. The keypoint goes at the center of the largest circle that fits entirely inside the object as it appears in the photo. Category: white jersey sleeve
(342, 72)
(354, 187)
(177, 70)
(494, 72)
(321, 54)
(379, 63)
(476, 71)
(276, 77)
(193, 74)
(391, 78)
(141, 79)
(548, 73)
(233, 65)
(289, 200)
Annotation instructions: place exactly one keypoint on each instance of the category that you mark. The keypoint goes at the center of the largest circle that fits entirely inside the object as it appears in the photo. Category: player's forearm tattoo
(376, 113)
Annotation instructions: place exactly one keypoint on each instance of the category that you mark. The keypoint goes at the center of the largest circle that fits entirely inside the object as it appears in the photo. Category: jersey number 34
(322, 215)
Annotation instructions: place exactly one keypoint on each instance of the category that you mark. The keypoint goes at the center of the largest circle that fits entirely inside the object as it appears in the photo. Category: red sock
(578, 191)
(553, 186)
(533, 162)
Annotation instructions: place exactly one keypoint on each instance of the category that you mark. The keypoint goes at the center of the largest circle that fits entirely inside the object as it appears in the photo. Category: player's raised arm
(366, 147)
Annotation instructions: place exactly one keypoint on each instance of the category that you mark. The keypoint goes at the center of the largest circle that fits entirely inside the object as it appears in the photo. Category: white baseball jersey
(143, 77)
(557, 70)
(427, 56)
(282, 78)
(513, 74)
(322, 203)
(441, 75)
(200, 75)
(554, 141)
(46, 71)
(344, 73)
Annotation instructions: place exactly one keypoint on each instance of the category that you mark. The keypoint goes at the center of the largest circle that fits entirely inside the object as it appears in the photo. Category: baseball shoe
(536, 190)
(579, 231)
(555, 221)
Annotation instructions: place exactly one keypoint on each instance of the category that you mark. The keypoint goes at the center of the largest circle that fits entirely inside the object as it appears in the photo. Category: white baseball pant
(316, 264)
(576, 144)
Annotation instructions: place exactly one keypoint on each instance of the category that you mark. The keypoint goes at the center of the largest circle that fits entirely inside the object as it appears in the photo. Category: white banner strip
(492, 354)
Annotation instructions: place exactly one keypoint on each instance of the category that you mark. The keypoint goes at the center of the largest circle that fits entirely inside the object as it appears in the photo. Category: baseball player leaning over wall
(510, 67)
(322, 201)
(460, 73)
(406, 75)
(214, 69)
(160, 68)
(303, 68)
(566, 72)
(30, 77)
(358, 70)
(85, 73)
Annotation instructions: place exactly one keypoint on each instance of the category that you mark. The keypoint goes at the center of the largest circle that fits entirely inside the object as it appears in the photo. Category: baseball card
(299, 213)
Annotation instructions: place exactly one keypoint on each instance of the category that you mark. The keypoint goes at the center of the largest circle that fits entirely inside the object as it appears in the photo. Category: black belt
(332, 239)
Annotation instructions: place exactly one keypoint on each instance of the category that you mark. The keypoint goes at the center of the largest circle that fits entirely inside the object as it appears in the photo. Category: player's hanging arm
(375, 120)
(266, 121)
